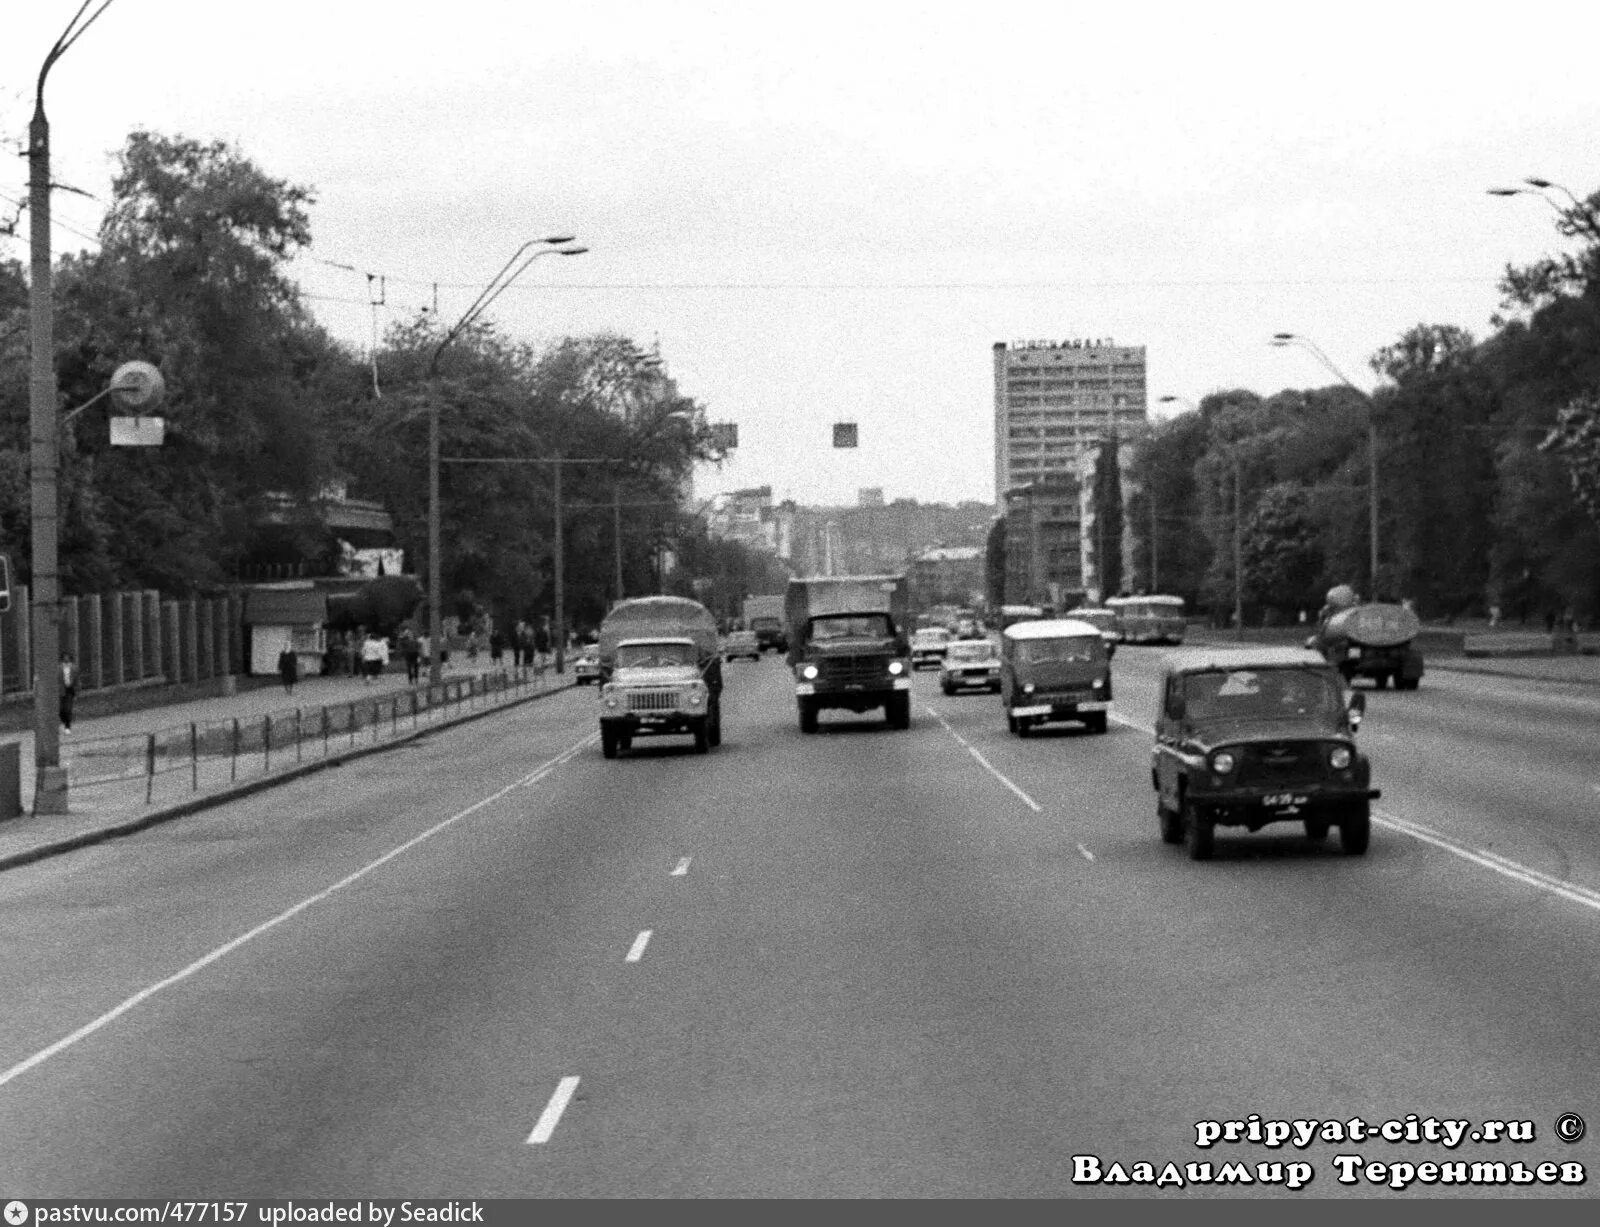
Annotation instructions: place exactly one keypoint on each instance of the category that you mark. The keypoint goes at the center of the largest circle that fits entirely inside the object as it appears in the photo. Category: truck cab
(661, 673)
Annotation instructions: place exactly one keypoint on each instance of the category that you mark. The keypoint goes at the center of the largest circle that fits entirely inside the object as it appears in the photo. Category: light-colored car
(741, 643)
(586, 664)
(928, 646)
(970, 664)
(1108, 620)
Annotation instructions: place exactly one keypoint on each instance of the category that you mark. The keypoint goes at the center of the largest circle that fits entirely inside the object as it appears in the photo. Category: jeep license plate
(1280, 800)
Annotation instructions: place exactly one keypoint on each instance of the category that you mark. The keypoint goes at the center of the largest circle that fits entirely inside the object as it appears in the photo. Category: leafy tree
(1282, 551)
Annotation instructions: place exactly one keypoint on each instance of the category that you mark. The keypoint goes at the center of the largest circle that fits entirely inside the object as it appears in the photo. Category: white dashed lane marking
(551, 1116)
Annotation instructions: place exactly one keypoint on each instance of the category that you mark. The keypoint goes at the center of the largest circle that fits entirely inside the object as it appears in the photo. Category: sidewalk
(134, 769)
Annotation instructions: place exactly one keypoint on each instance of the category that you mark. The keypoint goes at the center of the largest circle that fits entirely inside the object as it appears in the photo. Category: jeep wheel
(1355, 829)
(1316, 829)
(1171, 824)
(947, 688)
(1197, 831)
(702, 736)
(898, 710)
(808, 716)
(1406, 683)
(1023, 725)
(608, 742)
(1013, 724)
(1096, 720)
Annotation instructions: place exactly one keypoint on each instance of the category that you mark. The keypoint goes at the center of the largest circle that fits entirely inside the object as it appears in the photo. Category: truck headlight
(608, 695)
(1027, 688)
(896, 667)
(1222, 762)
(1339, 758)
(809, 672)
(696, 696)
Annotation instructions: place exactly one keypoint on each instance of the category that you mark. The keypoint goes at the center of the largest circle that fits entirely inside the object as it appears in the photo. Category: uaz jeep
(1251, 736)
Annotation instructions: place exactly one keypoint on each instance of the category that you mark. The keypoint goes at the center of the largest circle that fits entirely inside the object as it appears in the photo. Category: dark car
(1251, 736)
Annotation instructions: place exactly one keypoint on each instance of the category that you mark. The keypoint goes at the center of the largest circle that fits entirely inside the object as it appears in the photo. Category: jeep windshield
(654, 655)
(853, 626)
(1261, 694)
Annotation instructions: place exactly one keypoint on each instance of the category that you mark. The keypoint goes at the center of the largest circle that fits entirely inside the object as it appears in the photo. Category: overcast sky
(830, 212)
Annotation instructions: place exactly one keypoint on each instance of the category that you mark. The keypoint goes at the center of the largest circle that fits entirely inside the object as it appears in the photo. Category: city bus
(1150, 619)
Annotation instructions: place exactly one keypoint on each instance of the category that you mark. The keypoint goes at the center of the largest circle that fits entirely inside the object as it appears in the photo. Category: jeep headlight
(1095, 684)
(1339, 758)
(896, 666)
(1222, 762)
(809, 672)
(1027, 688)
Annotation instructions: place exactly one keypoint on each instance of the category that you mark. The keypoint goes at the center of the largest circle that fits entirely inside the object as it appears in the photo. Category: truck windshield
(654, 655)
(1260, 693)
(854, 626)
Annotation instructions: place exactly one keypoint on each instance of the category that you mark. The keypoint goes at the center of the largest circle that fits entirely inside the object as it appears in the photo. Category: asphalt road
(934, 963)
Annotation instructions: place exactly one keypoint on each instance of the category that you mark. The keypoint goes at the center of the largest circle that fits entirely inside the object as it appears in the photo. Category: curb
(234, 792)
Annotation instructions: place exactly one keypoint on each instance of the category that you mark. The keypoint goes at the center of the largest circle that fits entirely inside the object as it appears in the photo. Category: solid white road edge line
(1517, 872)
(636, 951)
(551, 1116)
(144, 994)
(987, 765)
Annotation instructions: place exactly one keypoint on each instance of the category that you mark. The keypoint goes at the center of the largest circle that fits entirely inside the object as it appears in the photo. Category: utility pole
(1238, 554)
(616, 526)
(560, 630)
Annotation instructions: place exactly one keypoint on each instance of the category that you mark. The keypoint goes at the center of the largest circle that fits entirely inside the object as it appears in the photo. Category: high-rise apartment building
(1054, 400)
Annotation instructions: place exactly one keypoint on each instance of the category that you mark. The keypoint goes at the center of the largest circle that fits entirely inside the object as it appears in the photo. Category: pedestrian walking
(497, 646)
(472, 646)
(69, 689)
(541, 642)
(517, 634)
(374, 657)
(411, 653)
(288, 667)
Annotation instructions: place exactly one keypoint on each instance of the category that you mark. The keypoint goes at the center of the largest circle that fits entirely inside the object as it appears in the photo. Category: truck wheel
(1316, 829)
(1406, 683)
(624, 741)
(1171, 824)
(1096, 721)
(1023, 725)
(1381, 680)
(1355, 829)
(714, 733)
(702, 737)
(608, 742)
(1013, 724)
(1197, 831)
(808, 716)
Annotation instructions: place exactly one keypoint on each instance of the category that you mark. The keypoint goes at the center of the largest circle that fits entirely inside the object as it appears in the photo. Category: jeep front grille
(1285, 762)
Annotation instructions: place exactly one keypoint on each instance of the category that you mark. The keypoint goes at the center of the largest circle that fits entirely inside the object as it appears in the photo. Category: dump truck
(849, 645)
(764, 615)
(660, 673)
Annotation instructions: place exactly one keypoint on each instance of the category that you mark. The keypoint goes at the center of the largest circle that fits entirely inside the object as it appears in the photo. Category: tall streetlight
(552, 247)
(1292, 338)
(50, 777)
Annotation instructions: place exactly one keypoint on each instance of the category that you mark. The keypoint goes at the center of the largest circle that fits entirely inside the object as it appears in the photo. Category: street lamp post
(50, 777)
(1291, 338)
(493, 290)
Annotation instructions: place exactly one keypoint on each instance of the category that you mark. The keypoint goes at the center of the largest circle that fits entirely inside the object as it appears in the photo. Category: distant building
(1044, 548)
(1055, 400)
(947, 575)
(869, 496)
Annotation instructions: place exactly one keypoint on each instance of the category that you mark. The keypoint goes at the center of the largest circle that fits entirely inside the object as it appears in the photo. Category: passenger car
(928, 646)
(968, 664)
(741, 643)
(1251, 736)
(1109, 622)
(586, 664)
(1054, 669)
